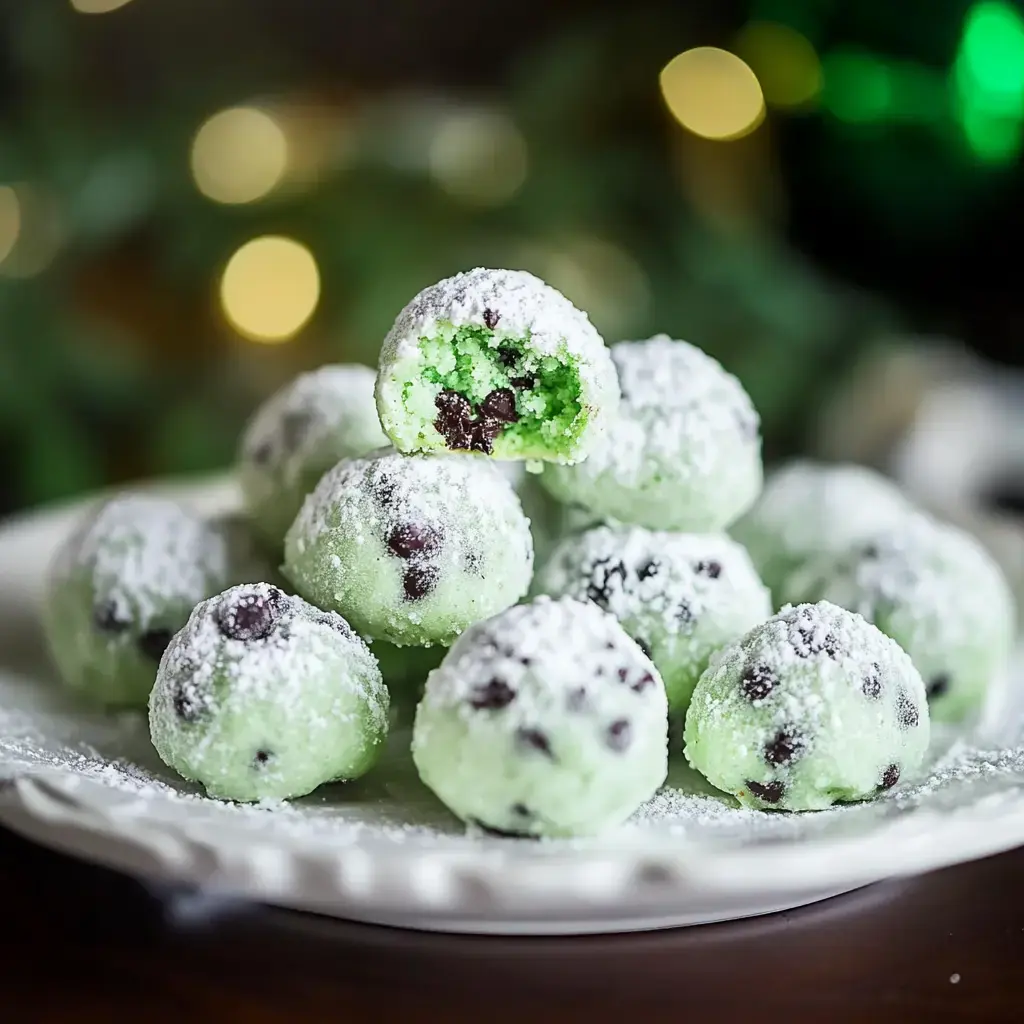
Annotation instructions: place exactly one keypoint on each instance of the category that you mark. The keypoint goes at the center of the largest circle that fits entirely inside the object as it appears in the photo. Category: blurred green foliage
(115, 361)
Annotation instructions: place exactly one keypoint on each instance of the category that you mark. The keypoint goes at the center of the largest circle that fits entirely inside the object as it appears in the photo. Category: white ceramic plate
(384, 850)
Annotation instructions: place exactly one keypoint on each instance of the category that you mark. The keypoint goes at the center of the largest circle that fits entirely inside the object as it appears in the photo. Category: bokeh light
(784, 62)
(97, 6)
(10, 220)
(857, 86)
(270, 288)
(713, 93)
(239, 155)
(31, 231)
(479, 156)
(988, 82)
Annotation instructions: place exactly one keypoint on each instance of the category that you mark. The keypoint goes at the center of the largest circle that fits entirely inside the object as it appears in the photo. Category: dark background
(789, 253)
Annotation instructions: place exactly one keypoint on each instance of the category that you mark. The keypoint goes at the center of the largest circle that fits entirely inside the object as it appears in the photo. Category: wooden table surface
(82, 944)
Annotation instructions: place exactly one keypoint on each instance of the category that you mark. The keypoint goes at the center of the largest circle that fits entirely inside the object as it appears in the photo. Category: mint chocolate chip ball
(411, 549)
(546, 720)
(935, 590)
(811, 509)
(300, 433)
(121, 586)
(684, 452)
(813, 707)
(680, 596)
(262, 696)
(496, 362)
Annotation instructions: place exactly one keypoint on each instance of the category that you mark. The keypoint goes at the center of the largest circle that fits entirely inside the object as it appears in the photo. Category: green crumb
(496, 396)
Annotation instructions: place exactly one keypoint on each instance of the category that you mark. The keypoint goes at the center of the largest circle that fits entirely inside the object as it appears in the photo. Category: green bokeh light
(988, 82)
(857, 86)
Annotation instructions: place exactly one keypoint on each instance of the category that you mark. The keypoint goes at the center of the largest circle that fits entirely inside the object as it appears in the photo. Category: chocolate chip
(809, 643)
(869, 551)
(492, 695)
(648, 569)
(890, 777)
(419, 580)
(483, 435)
(500, 404)
(383, 490)
(783, 748)
(907, 714)
(642, 683)
(507, 356)
(524, 383)
(522, 811)
(186, 707)
(107, 618)
(262, 757)
(474, 562)
(684, 613)
(534, 739)
(872, 684)
(491, 318)
(252, 616)
(154, 642)
(601, 573)
(938, 685)
(294, 428)
(576, 700)
(643, 645)
(263, 454)
(770, 792)
(454, 420)
(414, 540)
(619, 735)
(709, 568)
(758, 682)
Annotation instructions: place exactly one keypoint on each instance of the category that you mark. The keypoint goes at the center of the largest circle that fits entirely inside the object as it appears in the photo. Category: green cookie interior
(468, 362)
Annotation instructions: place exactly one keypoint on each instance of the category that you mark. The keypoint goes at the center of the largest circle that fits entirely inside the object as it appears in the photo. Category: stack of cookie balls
(384, 541)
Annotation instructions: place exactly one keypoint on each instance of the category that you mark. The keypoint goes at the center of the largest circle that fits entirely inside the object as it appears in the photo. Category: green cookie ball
(813, 707)
(684, 452)
(546, 720)
(495, 361)
(263, 697)
(411, 549)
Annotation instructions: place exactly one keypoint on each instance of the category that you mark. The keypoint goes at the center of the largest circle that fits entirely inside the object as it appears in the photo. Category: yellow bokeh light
(270, 288)
(239, 155)
(31, 232)
(783, 60)
(97, 6)
(712, 93)
(10, 220)
(479, 156)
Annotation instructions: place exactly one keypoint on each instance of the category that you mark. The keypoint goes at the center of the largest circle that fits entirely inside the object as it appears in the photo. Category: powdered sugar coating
(545, 720)
(411, 549)
(121, 586)
(684, 452)
(814, 707)
(935, 590)
(809, 509)
(680, 596)
(513, 304)
(298, 434)
(263, 696)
